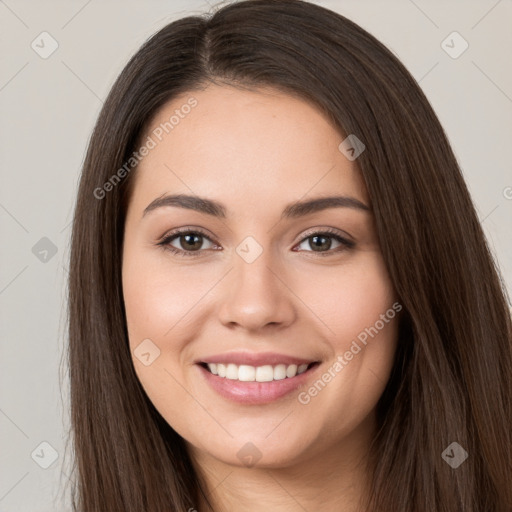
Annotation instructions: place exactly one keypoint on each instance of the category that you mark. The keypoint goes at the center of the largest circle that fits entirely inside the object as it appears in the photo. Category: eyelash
(328, 232)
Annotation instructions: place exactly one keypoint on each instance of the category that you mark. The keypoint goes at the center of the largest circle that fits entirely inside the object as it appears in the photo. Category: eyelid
(184, 230)
(330, 231)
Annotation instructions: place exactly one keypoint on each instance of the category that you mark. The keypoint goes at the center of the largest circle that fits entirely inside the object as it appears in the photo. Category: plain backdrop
(48, 108)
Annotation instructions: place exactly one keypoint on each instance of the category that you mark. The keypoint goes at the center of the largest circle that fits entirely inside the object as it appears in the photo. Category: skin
(256, 152)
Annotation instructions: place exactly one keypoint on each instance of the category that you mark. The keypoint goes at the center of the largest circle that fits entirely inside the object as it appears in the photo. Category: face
(263, 329)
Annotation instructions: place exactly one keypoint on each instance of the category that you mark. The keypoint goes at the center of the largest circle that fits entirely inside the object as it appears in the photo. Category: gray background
(48, 107)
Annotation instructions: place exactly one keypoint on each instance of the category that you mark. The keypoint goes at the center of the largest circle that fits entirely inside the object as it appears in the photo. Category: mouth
(265, 373)
(256, 385)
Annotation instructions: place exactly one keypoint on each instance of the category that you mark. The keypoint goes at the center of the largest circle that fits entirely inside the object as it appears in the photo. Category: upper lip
(255, 359)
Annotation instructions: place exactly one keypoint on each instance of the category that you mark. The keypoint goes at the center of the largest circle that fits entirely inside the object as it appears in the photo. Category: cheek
(357, 306)
(159, 303)
(349, 298)
(160, 298)
(167, 305)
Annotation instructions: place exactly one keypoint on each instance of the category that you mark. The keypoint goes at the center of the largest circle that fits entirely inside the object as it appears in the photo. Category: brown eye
(186, 242)
(190, 242)
(321, 243)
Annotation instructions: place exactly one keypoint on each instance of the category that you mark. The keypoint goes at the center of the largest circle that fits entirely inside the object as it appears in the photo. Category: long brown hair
(452, 377)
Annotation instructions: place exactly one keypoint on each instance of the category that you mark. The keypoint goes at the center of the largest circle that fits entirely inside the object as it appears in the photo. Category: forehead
(265, 145)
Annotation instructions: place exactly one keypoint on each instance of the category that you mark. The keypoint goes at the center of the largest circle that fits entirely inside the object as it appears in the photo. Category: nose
(256, 296)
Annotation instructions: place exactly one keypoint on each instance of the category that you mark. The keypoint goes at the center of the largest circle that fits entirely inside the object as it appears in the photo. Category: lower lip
(256, 393)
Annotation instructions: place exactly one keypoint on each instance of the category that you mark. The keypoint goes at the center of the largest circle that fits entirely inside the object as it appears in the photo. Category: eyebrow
(291, 211)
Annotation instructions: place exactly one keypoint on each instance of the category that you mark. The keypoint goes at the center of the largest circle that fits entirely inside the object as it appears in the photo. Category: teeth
(280, 372)
(246, 373)
(291, 371)
(266, 373)
(302, 368)
(232, 372)
(221, 370)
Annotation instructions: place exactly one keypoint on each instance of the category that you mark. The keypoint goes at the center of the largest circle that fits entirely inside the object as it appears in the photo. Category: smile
(266, 373)
(256, 384)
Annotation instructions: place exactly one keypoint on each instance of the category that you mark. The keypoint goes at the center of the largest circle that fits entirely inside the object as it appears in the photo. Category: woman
(224, 354)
